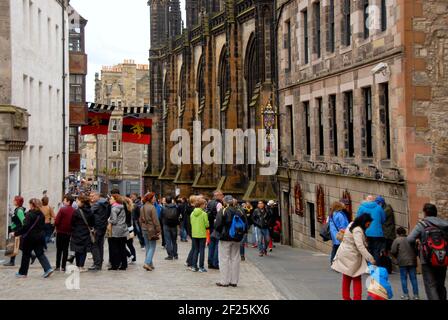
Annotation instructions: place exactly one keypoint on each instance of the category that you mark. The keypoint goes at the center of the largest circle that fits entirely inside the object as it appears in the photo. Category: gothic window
(224, 80)
(182, 90)
(267, 36)
(201, 87)
(252, 73)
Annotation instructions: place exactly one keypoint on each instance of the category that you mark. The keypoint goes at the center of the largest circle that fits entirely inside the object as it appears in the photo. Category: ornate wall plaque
(320, 201)
(298, 196)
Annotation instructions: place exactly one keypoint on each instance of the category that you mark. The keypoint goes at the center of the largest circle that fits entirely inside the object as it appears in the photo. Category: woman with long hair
(32, 239)
(352, 256)
(119, 234)
(151, 229)
(338, 223)
(82, 223)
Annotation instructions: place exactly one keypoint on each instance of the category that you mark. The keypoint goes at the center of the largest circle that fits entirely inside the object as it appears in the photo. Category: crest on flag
(136, 130)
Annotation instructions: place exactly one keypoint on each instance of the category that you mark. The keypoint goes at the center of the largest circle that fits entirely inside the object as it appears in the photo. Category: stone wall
(5, 53)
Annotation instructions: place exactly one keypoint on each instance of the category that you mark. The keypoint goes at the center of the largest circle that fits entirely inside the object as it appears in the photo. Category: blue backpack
(238, 228)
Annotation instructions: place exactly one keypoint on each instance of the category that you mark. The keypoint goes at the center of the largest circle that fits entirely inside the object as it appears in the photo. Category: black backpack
(171, 216)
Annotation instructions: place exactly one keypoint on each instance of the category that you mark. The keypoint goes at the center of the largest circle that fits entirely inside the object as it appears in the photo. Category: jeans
(434, 280)
(333, 252)
(263, 239)
(183, 233)
(213, 252)
(198, 252)
(38, 248)
(171, 241)
(357, 287)
(49, 228)
(98, 251)
(190, 256)
(412, 272)
(131, 252)
(150, 246)
(139, 233)
(255, 235)
(80, 259)
(375, 246)
(62, 244)
(243, 245)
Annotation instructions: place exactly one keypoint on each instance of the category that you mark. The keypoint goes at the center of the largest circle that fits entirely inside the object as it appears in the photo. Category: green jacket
(17, 219)
(199, 223)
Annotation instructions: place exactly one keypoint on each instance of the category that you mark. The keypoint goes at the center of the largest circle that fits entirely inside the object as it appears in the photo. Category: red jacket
(63, 222)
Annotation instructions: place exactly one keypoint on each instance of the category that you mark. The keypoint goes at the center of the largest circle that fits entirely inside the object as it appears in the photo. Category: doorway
(13, 187)
(312, 214)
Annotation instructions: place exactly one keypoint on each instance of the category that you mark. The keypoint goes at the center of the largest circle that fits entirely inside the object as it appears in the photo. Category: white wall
(37, 72)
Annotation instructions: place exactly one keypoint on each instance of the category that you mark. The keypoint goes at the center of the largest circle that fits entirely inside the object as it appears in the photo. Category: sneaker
(416, 298)
(193, 269)
(233, 285)
(9, 264)
(48, 273)
(202, 270)
(243, 258)
(82, 270)
(404, 297)
(169, 258)
(94, 268)
(20, 276)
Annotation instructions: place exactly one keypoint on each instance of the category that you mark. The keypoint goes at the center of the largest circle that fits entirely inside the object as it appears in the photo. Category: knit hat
(228, 200)
(380, 200)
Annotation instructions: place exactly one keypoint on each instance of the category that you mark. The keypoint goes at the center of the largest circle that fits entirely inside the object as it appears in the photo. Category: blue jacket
(159, 210)
(378, 215)
(337, 222)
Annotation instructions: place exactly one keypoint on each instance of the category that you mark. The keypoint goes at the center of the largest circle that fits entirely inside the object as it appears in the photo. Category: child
(407, 261)
(379, 288)
(199, 226)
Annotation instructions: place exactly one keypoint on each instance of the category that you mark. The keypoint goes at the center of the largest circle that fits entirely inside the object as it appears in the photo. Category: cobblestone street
(170, 281)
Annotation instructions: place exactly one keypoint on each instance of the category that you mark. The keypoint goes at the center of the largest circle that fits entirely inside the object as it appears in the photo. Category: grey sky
(116, 30)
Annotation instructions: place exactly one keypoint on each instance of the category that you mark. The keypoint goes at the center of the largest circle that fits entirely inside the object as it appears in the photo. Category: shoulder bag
(91, 230)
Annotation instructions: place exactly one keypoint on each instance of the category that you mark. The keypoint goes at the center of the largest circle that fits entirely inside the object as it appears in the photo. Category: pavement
(300, 274)
(285, 274)
(169, 281)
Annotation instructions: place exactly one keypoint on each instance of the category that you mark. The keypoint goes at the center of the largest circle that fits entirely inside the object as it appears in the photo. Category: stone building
(121, 165)
(362, 109)
(32, 104)
(78, 73)
(218, 71)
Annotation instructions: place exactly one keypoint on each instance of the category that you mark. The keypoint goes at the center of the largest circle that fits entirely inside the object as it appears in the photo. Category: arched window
(267, 37)
(182, 90)
(224, 80)
(252, 74)
(201, 86)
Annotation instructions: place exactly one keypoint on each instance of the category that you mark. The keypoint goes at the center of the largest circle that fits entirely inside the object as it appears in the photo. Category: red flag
(98, 123)
(137, 130)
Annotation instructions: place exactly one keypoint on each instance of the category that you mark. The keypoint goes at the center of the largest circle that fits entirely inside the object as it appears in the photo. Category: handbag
(325, 232)
(340, 235)
(12, 247)
(91, 230)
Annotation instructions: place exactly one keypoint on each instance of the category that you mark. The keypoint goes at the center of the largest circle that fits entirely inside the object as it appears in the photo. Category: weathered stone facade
(365, 116)
(121, 165)
(220, 71)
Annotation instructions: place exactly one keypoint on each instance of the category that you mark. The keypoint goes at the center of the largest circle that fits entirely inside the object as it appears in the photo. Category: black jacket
(224, 222)
(32, 231)
(212, 212)
(187, 221)
(101, 212)
(80, 239)
(262, 218)
(165, 210)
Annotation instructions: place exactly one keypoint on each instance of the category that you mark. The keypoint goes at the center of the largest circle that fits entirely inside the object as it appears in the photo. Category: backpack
(237, 228)
(435, 245)
(171, 217)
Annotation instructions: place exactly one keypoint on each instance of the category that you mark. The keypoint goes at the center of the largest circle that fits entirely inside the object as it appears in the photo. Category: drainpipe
(64, 76)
